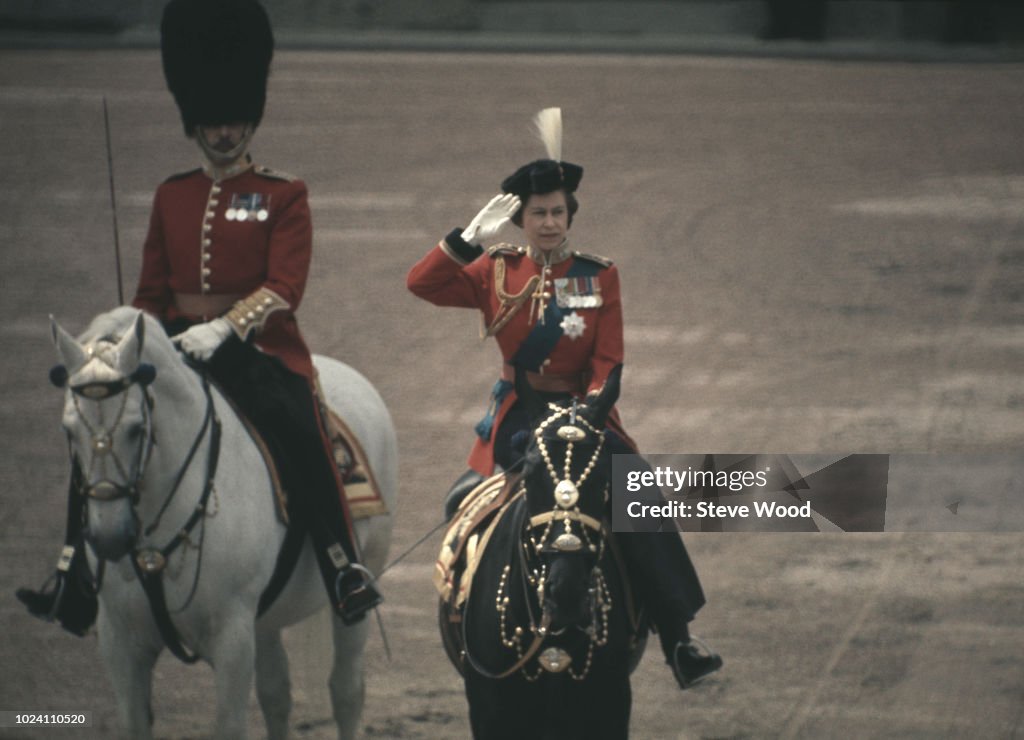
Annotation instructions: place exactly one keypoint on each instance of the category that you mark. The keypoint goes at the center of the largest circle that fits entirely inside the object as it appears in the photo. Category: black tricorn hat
(543, 176)
(216, 56)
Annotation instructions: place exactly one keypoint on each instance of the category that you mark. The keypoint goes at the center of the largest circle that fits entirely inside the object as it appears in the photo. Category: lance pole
(113, 204)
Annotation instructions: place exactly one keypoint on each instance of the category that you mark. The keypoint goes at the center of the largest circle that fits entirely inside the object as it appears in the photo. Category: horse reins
(149, 563)
(539, 634)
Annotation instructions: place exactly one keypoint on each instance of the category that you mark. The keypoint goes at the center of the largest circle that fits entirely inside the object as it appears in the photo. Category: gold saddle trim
(467, 536)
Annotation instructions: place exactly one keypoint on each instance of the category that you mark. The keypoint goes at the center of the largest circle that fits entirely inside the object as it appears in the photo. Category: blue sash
(545, 335)
(535, 348)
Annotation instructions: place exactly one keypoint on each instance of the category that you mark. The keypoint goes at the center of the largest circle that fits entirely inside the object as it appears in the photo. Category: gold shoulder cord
(510, 302)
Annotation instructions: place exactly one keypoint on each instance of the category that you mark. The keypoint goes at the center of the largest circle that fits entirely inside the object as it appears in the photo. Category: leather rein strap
(538, 638)
(149, 563)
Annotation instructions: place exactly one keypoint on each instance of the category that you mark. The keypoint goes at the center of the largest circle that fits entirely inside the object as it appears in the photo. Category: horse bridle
(566, 510)
(108, 490)
(567, 492)
(149, 562)
(101, 438)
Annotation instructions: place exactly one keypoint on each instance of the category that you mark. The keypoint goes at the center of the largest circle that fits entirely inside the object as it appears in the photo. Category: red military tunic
(583, 362)
(213, 242)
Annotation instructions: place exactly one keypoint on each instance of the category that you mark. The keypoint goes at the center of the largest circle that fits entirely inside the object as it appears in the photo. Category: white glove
(200, 341)
(486, 224)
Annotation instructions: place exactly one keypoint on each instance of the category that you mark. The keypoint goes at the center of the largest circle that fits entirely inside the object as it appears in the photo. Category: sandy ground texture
(817, 257)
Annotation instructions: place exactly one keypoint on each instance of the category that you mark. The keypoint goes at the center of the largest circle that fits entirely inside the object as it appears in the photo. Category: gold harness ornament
(566, 490)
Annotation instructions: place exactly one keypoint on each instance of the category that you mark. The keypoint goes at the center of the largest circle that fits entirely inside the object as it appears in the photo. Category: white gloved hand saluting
(492, 218)
(200, 341)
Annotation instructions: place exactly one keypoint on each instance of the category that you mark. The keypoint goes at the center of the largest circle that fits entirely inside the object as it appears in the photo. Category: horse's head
(567, 474)
(107, 419)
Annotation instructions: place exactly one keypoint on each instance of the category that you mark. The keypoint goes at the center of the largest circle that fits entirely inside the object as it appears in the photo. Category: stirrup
(696, 665)
(45, 602)
(73, 610)
(364, 596)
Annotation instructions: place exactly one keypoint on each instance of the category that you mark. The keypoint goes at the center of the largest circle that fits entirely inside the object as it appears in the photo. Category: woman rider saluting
(557, 313)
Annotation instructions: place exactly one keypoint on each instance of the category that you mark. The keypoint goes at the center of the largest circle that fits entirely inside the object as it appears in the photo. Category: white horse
(131, 433)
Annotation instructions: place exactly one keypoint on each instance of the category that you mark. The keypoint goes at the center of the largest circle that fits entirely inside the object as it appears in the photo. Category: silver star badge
(573, 325)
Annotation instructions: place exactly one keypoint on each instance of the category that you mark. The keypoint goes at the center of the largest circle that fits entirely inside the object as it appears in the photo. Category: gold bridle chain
(539, 434)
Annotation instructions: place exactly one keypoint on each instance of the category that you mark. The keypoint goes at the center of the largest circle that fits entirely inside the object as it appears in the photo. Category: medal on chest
(578, 292)
(248, 207)
(573, 325)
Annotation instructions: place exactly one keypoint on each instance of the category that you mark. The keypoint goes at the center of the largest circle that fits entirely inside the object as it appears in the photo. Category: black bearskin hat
(216, 56)
(543, 176)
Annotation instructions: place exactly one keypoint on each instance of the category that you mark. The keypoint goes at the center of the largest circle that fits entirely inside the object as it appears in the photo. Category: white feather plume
(548, 124)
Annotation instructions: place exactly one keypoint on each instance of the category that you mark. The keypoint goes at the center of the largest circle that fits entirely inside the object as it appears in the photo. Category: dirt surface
(816, 257)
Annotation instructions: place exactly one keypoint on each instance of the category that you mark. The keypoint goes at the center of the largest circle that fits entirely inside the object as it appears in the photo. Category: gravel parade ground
(817, 257)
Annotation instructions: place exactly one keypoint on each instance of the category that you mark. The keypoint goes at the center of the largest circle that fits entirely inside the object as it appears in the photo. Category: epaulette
(505, 250)
(274, 174)
(183, 175)
(595, 258)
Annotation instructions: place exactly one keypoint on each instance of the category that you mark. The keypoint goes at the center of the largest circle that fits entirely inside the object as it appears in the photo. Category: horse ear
(69, 351)
(602, 404)
(129, 349)
(525, 393)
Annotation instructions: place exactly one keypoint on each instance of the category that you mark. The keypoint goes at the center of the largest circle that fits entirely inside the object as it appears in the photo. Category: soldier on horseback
(557, 314)
(225, 264)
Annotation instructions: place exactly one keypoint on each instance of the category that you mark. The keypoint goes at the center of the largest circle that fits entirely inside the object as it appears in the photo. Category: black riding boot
(666, 582)
(350, 586)
(282, 407)
(71, 600)
(689, 657)
(663, 575)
